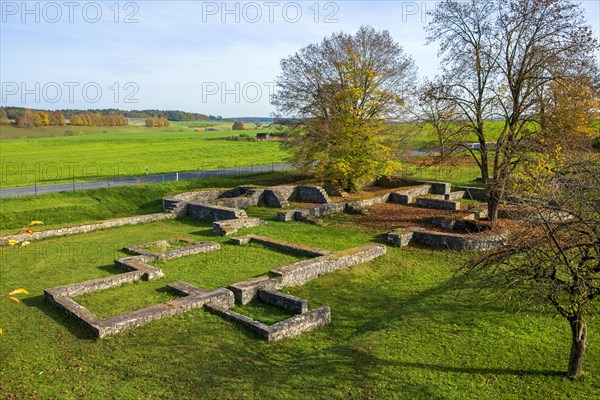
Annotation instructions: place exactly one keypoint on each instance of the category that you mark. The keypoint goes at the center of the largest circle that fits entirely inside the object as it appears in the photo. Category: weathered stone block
(204, 211)
(285, 216)
(400, 237)
(474, 193)
(247, 291)
(299, 324)
(310, 194)
(231, 226)
(452, 196)
(282, 300)
(437, 203)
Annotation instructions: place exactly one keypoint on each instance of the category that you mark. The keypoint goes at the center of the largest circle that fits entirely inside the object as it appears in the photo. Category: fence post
(177, 177)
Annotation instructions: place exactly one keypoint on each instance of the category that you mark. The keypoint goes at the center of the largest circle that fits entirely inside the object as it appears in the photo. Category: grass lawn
(123, 151)
(399, 329)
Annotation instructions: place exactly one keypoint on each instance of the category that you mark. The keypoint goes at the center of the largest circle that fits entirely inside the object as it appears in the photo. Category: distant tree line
(171, 115)
(97, 119)
(157, 122)
(30, 119)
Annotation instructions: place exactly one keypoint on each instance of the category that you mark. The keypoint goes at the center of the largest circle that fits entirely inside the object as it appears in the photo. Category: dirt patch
(388, 216)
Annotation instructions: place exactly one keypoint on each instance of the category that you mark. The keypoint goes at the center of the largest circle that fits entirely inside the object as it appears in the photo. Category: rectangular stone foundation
(305, 271)
(290, 327)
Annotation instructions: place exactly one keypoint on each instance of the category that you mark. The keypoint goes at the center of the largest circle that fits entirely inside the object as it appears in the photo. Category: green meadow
(107, 153)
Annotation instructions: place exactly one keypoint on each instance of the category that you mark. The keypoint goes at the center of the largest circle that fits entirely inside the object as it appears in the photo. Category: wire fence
(76, 185)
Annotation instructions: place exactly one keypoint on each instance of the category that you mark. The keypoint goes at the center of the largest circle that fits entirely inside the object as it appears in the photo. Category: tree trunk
(493, 204)
(578, 343)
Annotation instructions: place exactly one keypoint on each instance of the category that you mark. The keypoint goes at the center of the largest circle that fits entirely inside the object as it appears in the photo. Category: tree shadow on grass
(204, 233)
(478, 370)
(112, 269)
(75, 327)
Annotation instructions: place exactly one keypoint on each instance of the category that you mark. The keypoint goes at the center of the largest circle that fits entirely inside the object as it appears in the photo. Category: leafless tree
(497, 55)
(554, 257)
(441, 116)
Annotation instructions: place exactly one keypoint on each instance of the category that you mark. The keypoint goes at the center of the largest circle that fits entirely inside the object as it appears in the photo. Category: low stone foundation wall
(73, 230)
(275, 197)
(438, 187)
(453, 196)
(437, 203)
(407, 195)
(196, 299)
(281, 245)
(282, 330)
(231, 226)
(282, 300)
(264, 288)
(247, 291)
(305, 271)
(310, 194)
(235, 202)
(316, 211)
(439, 240)
(191, 249)
(210, 212)
(358, 206)
(474, 193)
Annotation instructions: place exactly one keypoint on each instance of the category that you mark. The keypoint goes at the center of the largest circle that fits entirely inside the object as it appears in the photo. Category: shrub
(596, 143)
(238, 126)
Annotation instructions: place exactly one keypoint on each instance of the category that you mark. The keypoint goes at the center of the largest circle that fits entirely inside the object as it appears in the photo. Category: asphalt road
(75, 186)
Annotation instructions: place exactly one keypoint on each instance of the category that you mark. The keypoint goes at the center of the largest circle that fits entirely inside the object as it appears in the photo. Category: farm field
(400, 328)
(108, 153)
(124, 151)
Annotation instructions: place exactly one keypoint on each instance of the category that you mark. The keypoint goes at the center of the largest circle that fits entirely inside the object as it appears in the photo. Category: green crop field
(400, 329)
(102, 153)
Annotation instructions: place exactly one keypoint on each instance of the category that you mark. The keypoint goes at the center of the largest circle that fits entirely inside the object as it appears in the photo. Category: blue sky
(210, 57)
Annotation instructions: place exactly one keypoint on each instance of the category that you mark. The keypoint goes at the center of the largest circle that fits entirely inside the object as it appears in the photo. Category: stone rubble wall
(274, 197)
(304, 271)
(299, 324)
(355, 207)
(283, 246)
(247, 291)
(198, 196)
(334, 189)
(191, 249)
(438, 187)
(437, 203)
(406, 195)
(282, 300)
(310, 194)
(474, 193)
(439, 240)
(453, 196)
(210, 212)
(73, 230)
(235, 202)
(282, 330)
(231, 226)
(198, 298)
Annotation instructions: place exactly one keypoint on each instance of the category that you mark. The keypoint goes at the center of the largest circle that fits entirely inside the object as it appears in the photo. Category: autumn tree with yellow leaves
(337, 94)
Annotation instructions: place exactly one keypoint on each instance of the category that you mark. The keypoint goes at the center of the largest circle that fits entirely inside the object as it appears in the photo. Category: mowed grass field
(400, 330)
(106, 153)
